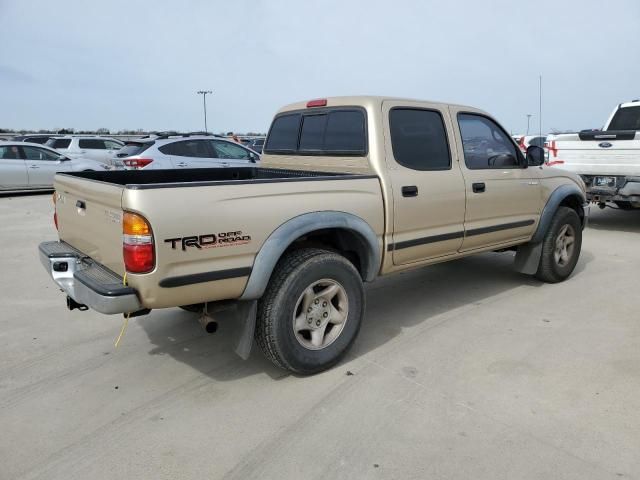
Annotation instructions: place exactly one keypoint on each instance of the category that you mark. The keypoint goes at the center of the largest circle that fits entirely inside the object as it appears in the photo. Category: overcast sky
(124, 64)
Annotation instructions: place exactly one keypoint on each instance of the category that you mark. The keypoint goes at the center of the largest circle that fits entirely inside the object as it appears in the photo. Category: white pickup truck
(608, 160)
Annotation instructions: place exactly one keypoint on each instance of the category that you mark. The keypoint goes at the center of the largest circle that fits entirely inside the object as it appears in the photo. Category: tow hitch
(72, 304)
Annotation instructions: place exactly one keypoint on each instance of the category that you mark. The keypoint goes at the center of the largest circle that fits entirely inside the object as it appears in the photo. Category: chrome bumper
(86, 281)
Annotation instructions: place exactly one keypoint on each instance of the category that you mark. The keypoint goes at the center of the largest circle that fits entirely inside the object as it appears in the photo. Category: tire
(292, 329)
(559, 257)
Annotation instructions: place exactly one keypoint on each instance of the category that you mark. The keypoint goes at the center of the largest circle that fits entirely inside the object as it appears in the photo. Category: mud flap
(528, 258)
(246, 315)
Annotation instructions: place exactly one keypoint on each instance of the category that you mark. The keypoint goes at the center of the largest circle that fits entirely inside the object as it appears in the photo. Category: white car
(101, 149)
(608, 160)
(31, 166)
(183, 151)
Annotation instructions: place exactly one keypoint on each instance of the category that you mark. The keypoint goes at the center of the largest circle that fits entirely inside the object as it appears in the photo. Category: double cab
(349, 188)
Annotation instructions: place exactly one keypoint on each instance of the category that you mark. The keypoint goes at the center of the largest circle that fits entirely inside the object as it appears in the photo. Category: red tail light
(137, 244)
(553, 149)
(521, 144)
(55, 213)
(555, 162)
(137, 162)
(321, 102)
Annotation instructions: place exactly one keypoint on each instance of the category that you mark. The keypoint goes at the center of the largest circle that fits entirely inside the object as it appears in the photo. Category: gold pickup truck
(348, 188)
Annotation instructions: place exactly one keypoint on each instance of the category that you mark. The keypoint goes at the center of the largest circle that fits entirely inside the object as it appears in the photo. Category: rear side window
(92, 143)
(324, 132)
(187, 148)
(627, 118)
(59, 142)
(419, 139)
(9, 153)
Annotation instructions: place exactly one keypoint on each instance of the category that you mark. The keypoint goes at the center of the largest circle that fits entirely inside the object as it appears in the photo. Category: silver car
(31, 166)
(183, 151)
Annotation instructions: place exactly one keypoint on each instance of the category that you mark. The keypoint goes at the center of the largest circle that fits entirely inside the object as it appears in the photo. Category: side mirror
(535, 156)
(65, 159)
(254, 157)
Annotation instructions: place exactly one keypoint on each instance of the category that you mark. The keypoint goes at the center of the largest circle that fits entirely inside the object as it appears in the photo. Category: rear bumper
(86, 281)
(625, 189)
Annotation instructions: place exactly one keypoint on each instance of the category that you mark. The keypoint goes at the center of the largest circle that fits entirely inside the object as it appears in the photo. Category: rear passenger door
(93, 148)
(192, 153)
(42, 165)
(503, 198)
(13, 170)
(428, 187)
(231, 154)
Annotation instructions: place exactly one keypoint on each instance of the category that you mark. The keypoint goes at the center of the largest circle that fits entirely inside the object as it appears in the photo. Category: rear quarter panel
(253, 210)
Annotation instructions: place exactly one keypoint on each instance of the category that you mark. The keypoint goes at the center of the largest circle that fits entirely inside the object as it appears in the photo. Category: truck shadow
(393, 303)
(615, 220)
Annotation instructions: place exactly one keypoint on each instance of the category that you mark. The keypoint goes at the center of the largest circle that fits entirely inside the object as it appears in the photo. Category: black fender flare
(528, 255)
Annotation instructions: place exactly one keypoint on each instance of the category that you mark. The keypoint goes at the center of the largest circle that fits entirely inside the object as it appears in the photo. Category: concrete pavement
(464, 370)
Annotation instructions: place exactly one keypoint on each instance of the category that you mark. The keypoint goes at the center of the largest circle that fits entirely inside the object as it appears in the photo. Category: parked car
(608, 160)
(34, 138)
(525, 141)
(101, 149)
(31, 166)
(255, 144)
(354, 188)
(183, 151)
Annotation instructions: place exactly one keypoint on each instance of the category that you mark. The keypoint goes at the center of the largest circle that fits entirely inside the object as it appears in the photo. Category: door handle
(478, 187)
(182, 164)
(34, 166)
(409, 191)
(225, 164)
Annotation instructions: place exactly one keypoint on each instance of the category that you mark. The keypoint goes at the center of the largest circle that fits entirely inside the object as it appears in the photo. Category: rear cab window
(334, 131)
(626, 118)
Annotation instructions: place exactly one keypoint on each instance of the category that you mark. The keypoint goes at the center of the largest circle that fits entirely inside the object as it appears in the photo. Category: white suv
(97, 148)
(183, 151)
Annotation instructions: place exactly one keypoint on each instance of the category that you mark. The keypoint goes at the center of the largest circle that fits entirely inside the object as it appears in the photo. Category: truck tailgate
(90, 219)
(614, 157)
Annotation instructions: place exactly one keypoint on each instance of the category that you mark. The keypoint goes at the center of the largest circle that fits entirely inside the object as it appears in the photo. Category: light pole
(529, 115)
(204, 104)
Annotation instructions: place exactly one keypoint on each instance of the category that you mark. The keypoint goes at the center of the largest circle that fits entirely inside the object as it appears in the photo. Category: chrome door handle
(224, 164)
(33, 166)
(182, 164)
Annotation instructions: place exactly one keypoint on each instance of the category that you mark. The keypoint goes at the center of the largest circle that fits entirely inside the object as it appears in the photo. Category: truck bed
(197, 177)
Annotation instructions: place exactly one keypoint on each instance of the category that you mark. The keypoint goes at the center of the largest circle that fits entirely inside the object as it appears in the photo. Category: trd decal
(209, 240)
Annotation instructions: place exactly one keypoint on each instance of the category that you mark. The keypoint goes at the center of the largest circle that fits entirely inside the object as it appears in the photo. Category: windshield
(626, 118)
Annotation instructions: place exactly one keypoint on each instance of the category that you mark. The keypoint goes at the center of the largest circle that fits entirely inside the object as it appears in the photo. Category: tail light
(521, 144)
(137, 162)
(55, 212)
(137, 244)
(321, 102)
(551, 163)
(553, 149)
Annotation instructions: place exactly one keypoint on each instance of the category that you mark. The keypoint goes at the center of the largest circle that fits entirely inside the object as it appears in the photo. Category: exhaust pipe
(208, 323)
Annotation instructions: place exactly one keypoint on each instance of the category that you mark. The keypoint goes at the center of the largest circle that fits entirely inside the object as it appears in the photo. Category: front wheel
(311, 311)
(561, 246)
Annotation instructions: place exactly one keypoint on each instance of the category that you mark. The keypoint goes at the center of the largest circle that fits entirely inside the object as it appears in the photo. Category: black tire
(294, 274)
(550, 270)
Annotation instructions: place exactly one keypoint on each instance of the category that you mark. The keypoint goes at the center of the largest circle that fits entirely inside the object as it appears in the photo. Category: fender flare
(549, 210)
(288, 232)
(528, 255)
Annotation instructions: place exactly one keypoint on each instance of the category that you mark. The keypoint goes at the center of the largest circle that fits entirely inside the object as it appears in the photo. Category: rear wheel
(561, 246)
(311, 311)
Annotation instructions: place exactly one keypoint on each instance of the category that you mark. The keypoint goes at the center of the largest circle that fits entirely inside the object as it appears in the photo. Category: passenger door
(13, 169)
(42, 166)
(229, 154)
(427, 184)
(93, 148)
(503, 198)
(189, 153)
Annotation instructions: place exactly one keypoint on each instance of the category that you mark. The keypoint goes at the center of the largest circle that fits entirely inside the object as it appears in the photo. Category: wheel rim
(565, 244)
(320, 315)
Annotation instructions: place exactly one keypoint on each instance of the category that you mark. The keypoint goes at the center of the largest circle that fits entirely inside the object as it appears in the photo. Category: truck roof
(364, 101)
